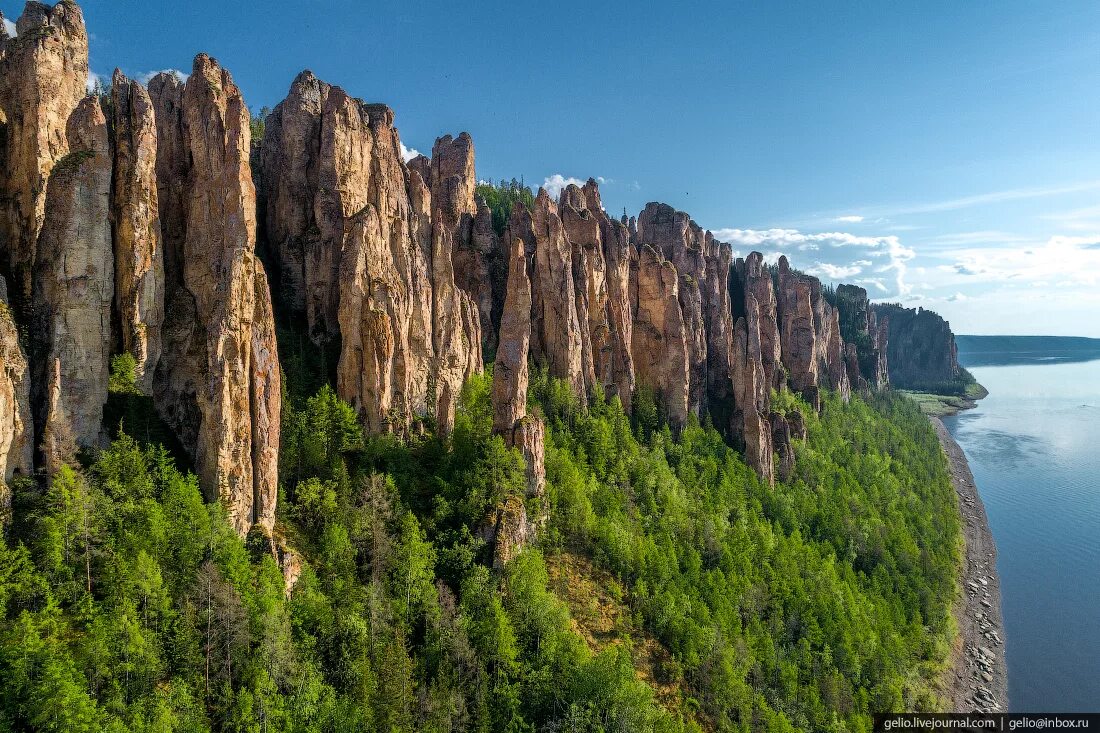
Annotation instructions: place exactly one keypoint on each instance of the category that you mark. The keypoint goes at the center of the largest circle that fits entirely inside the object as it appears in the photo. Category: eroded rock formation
(397, 264)
(16, 428)
(366, 250)
(921, 351)
(74, 292)
(218, 381)
(509, 401)
(865, 338)
(135, 212)
(809, 331)
(660, 343)
(43, 76)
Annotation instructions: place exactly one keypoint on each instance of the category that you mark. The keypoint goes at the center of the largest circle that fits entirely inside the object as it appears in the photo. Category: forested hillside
(129, 604)
(301, 433)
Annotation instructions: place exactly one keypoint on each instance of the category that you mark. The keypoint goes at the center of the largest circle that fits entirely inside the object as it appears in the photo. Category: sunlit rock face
(135, 214)
(43, 78)
(218, 383)
(74, 291)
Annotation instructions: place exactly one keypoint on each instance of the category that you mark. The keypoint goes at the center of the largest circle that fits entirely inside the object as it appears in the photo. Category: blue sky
(944, 154)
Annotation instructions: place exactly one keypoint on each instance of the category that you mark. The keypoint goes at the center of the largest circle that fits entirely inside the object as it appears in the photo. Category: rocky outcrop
(456, 331)
(135, 213)
(43, 77)
(809, 331)
(474, 243)
(74, 292)
(865, 338)
(509, 396)
(601, 254)
(557, 339)
(16, 428)
(681, 242)
(291, 164)
(365, 252)
(509, 529)
(660, 342)
(921, 351)
(751, 396)
(218, 381)
(754, 278)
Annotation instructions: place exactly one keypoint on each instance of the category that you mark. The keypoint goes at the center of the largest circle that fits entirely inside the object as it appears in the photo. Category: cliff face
(135, 212)
(920, 348)
(509, 528)
(366, 251)
(74, 291)
(865, 337)
(809, 332)
(218, 380)
(16, 428)
(138, 234)
(43, 73)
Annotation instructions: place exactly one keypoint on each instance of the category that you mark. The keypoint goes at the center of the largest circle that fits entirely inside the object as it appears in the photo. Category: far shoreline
(976, 677)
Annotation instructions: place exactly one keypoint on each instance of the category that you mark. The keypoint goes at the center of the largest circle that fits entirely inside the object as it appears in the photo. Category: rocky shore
(976, 678)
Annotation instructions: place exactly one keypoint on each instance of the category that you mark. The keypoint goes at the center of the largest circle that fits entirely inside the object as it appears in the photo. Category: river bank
(976, 678)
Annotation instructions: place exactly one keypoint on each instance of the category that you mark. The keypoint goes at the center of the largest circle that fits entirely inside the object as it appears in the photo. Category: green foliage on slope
(502, 197)
(126, 603)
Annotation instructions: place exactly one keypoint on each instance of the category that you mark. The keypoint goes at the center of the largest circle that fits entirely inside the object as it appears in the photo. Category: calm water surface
(1034, 448)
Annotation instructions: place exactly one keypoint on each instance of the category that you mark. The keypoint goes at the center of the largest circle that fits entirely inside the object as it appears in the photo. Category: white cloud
(93, 79)
(956, 298)
(1050, 261)
(832, 255)
(145, 76)
(408, 154)
(9, 26)
(556, 183)
(850, 219)
(834, 272)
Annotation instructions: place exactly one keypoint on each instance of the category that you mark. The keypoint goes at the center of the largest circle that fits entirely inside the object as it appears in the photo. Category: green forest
(670, 591)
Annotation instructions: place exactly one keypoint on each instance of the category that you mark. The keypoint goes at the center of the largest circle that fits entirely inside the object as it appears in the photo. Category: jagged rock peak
(135, 212)
(43, 77)
(509, 395)
(557, 340)
(218, 381)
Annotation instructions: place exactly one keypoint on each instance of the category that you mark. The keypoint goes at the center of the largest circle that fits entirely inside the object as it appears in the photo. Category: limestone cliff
(920, 351)
(367, 247)
(135, 213)
(43, 75)
(74, 292)
(145, 242)
(660, 345)
(509, 529)
(218, 381)
(865, 338)
(809, 332)
(16, 428)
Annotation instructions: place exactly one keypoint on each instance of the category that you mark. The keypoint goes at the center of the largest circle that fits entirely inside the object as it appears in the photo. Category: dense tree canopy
(128, 604)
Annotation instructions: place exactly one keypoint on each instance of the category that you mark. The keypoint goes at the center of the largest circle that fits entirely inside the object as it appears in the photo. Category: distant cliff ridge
(920, 350)
(133, 225)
